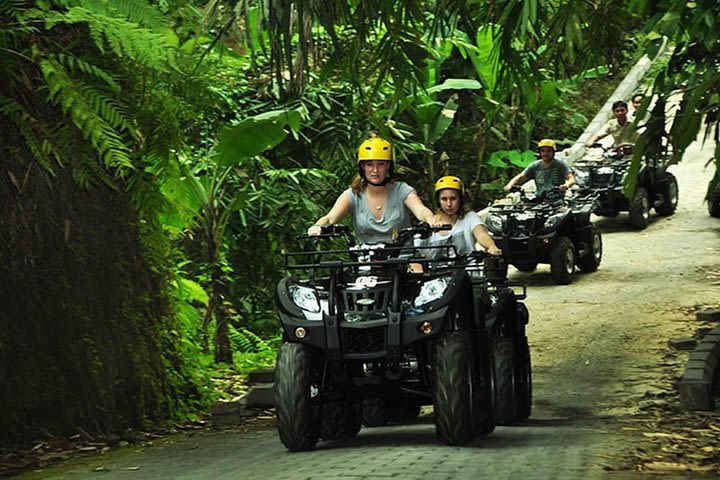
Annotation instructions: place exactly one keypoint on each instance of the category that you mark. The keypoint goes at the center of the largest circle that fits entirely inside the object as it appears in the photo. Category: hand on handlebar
(494, 251)
(434, 221)
(314, 230)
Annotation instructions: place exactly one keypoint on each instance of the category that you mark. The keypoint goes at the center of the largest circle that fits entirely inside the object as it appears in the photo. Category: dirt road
(600, 354)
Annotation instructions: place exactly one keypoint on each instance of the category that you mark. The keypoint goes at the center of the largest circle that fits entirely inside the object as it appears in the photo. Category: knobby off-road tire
(338, 420)
(483, 399)
(669, 196)
(591, 261)
(452, 392)
(640, 209)
(297, 421)
(503, 350)
(526, 266)
(374, 412)
(523, 380)
(714, 203)
(562, 261)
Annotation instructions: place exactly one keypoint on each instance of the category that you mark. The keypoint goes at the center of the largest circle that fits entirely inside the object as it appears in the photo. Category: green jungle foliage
(162, 155)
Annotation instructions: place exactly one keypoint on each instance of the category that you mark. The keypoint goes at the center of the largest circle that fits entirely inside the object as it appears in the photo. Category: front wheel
(714, 203)
(669, 196)
(640, 209)
(523, 380)
(297, 421)
(503, 353)
(592, 258)
(453, 389)
(562, 261)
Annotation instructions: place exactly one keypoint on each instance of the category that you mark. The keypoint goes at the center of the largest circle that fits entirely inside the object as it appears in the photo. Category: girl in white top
(467, 228)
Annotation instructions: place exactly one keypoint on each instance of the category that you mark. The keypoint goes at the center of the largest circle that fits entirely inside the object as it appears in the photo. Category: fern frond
(12, 7)
(77, 64)
(36, 138)
(125, 39)
(246, 341)
(106, 107)
(136, 11)
(86, 170)
(92, 125)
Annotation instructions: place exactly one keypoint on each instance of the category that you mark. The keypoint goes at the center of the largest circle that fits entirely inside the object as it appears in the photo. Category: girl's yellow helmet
(449, 181)
(375, 149)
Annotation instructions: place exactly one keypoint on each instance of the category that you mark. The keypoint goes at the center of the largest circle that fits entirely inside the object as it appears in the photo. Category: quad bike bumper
(383, 338)
(610, 201)
(526, 249)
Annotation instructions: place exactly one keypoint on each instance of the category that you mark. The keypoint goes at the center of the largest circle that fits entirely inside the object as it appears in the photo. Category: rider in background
(467, 227)
(619, 127)
(380, 205)
(548, 172)
(635, 103)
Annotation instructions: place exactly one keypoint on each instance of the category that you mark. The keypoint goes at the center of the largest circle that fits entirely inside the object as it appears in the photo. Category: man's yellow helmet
(449, 181)
(546, 142)
(375, 149)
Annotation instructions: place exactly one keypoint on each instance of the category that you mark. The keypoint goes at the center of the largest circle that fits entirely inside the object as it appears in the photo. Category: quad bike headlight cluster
(552, 221)
(495, 223)
(432, 290)
(307, 299)
(582, 177)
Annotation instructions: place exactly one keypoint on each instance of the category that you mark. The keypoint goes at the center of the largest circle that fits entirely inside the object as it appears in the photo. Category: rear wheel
(503, 352)
(453, 389)
(640, 209)
(523, 380)
(669, 196)
(297, 421)
(338, 420)
(562, 261)
(374, 412)
(591, 260)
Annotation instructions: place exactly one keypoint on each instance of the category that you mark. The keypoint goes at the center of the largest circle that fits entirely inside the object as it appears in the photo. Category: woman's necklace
(379, 206)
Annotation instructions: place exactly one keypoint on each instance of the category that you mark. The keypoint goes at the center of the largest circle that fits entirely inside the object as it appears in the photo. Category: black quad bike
(714, 202)
(369, 338)
(548, 228)
(605, 176)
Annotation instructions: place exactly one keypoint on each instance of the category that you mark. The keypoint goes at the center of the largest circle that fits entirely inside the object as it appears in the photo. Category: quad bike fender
(505, 317)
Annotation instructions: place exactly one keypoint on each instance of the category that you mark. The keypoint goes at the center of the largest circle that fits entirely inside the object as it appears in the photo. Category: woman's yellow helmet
(375, 149)
(449, 181)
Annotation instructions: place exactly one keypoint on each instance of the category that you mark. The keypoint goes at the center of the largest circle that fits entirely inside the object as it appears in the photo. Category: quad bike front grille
(601, 179)
(522, 227)
(367, 300)
(363, 340)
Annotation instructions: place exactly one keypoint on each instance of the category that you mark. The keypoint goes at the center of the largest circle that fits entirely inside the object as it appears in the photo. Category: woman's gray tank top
(396, 216)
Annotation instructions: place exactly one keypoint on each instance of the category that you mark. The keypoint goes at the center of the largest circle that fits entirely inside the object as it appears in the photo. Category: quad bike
(714, 202)
(605, 176)
(548, 228)
(368, 336)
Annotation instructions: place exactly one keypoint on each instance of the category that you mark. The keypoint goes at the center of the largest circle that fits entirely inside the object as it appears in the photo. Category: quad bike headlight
(304, 297)
(432, 290)
(582, 177)
(552, 221)
(495, 223)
